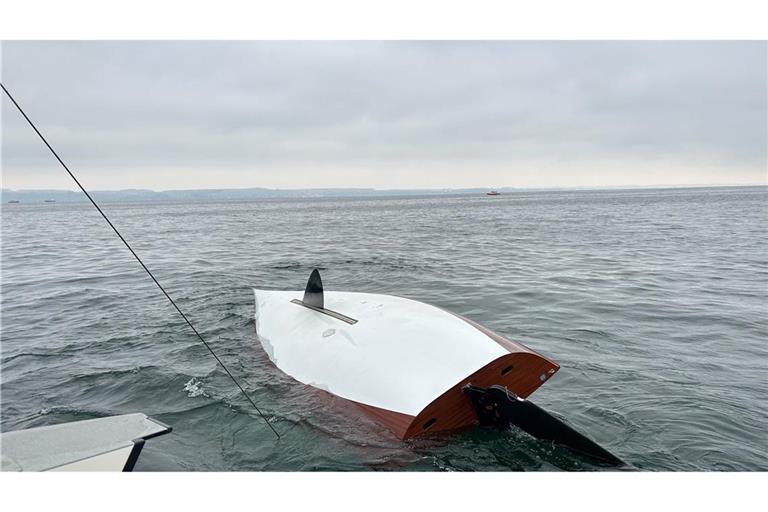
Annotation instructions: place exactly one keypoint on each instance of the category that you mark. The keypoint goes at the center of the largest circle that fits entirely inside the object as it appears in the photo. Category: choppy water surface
(654, 303)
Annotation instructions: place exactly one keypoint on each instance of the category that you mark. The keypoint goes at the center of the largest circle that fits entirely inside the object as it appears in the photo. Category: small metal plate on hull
(334, 314)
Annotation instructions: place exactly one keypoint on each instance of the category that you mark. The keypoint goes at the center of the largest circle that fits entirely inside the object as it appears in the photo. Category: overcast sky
(181, 115)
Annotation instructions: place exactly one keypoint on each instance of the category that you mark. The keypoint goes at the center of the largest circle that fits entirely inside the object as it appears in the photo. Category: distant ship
(493, 193)
(50, 201)
(13, 201)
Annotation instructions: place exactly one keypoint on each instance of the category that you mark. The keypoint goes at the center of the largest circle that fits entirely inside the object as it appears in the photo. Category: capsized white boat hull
(404, 362)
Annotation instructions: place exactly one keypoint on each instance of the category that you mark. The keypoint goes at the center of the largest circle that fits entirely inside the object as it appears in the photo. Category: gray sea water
(654, 302)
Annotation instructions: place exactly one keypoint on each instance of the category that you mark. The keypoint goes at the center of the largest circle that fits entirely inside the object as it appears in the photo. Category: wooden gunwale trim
(397, 422)
(508, 344)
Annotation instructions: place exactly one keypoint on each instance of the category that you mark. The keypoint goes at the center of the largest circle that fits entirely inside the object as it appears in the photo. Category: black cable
(139, 260)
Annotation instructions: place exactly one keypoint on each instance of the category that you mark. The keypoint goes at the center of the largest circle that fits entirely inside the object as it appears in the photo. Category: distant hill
(247, 194)
(231, 194)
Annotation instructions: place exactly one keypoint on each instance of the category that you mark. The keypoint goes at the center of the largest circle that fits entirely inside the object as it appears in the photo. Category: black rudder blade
(496, 405)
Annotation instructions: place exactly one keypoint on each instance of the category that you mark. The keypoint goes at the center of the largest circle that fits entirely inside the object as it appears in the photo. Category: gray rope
(139, 260)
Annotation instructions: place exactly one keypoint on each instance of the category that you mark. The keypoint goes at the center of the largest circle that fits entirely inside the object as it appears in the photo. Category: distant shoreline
(245, 194)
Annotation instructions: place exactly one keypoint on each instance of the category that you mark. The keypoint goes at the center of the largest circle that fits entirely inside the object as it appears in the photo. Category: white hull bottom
(405, 362)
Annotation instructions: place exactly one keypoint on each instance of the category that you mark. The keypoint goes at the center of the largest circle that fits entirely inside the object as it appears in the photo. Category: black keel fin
(314, 299)
(313, 294)
(496, 405)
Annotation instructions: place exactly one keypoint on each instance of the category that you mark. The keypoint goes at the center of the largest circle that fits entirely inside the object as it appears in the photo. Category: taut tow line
(139, 260)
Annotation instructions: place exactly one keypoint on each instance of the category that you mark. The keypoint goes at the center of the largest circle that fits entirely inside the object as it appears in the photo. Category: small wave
(8, 359)
(289, 265)
(594, 331)
(115, 372)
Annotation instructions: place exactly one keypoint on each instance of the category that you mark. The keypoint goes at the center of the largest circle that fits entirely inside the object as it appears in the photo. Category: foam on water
(194, 388)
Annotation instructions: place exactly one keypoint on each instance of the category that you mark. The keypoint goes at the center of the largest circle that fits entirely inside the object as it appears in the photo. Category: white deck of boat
(55, 446)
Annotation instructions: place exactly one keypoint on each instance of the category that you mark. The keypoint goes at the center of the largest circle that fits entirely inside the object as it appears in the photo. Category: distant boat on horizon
(493, 193)
(13, 201)
(49, 201)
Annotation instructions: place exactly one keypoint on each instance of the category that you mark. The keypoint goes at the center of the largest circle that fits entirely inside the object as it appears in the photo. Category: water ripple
(653, 302)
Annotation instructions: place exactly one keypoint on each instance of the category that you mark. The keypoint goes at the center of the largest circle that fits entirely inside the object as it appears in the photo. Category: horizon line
(425, 189)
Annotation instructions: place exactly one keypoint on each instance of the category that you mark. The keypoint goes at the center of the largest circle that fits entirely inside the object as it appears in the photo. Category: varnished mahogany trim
(501, 340)
(454, 411)
(397, 422)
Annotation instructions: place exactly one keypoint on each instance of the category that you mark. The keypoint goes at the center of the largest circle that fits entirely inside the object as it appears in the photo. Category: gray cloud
(388, 114)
